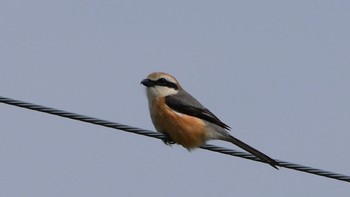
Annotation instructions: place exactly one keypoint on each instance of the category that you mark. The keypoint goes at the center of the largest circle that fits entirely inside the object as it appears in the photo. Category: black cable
(148, 133)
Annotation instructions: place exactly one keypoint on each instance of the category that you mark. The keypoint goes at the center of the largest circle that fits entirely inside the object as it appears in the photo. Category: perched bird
(185, 121)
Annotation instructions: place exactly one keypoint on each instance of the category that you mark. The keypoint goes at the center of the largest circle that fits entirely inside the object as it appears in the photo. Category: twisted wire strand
(160, 136)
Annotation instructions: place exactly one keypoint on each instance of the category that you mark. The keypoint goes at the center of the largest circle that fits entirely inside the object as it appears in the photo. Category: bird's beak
(147, 82)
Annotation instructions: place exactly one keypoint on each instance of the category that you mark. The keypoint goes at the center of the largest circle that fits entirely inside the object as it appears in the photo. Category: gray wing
(186, 104)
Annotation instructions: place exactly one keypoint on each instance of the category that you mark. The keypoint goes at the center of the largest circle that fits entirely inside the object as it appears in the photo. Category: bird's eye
(162, 81)
(165, 82)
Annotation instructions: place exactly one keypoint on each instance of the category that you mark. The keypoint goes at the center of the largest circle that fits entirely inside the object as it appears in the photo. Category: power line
(153, 134)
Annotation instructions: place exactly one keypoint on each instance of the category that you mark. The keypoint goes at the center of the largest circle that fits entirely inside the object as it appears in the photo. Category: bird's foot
(167, 140)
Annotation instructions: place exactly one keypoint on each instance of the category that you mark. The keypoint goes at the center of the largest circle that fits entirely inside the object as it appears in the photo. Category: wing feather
(186, 104)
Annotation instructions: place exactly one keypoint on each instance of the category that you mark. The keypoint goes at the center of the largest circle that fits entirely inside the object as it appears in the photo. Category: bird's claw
(167, 140)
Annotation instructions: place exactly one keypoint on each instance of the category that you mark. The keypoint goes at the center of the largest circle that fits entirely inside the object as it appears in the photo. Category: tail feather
(253, 151)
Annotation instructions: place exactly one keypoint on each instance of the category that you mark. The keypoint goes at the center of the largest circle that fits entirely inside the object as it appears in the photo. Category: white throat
(159, 91)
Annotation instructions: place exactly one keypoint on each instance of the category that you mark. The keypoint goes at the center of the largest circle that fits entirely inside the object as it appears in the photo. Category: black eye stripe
(165, 82)
(162, 81)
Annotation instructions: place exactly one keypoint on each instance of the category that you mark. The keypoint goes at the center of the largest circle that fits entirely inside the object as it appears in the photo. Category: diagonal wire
(153, 134)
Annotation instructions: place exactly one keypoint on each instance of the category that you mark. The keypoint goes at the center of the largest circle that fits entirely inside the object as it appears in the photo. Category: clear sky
(277, 72)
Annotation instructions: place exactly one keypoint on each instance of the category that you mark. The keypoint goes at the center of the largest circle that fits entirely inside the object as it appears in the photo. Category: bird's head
(159, 84)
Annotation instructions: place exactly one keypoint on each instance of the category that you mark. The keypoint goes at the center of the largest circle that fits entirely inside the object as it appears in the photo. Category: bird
(184, 120)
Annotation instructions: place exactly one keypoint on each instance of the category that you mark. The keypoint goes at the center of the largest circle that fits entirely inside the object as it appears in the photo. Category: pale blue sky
(277, 72)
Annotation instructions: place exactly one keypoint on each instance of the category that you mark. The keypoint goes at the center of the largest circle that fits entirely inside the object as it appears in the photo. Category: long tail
(252, 151)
